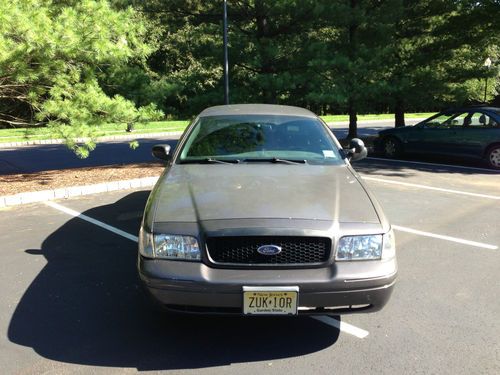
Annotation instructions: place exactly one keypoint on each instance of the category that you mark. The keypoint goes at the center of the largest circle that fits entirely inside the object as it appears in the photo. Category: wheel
(392, 147)
(493, 157)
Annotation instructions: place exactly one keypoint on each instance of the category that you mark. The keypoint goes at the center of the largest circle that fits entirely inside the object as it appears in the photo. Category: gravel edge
(75, 191)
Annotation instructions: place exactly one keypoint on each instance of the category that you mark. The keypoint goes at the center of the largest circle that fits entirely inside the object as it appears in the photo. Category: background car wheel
(392, 147)
(493, 156)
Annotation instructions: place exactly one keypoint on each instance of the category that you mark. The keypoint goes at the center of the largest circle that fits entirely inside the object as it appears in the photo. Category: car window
(479, 119)
(437, 121)
(458, 120)
(447, 120)
(260, 136)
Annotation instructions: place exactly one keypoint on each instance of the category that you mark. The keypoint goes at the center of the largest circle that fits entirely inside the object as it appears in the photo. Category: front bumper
(344, 287)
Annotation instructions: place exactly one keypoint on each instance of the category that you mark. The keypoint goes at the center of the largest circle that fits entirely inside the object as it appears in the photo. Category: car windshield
(260, 138)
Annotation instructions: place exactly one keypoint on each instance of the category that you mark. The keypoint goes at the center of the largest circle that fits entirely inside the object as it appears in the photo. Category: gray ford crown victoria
(259, 212)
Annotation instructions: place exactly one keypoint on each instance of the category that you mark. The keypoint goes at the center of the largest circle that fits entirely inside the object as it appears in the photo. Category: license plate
(270, 300)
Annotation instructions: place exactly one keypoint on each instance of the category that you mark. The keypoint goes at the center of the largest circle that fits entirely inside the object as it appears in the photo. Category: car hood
(193, 193)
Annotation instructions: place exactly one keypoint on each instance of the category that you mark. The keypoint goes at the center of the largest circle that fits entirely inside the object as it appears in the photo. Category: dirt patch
(20, 183)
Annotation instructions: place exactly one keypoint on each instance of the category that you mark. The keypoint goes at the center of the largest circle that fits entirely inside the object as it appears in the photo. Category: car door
(438, 135)
(478, 133)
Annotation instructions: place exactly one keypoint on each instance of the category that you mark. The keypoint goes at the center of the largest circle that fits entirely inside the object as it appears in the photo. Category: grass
(32, 134)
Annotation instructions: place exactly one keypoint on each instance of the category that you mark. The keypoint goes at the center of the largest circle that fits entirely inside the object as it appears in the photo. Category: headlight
(176, 247)
(366, 247)
(167, 246)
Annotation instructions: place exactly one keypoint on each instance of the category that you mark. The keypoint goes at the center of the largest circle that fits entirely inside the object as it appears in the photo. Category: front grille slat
(243, 250)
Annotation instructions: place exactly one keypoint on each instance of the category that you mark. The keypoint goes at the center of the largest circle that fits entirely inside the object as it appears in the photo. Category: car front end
(265, 236)
(311, 271)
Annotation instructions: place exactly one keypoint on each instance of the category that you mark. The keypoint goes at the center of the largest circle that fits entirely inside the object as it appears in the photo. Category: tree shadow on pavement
(86, 307)
(55, 157)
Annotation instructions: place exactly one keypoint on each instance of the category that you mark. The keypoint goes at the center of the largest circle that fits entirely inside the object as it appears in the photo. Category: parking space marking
(446, 238)
(131, 237)
(79, 215)
(342, 326)
(383, 180)
(433, 164)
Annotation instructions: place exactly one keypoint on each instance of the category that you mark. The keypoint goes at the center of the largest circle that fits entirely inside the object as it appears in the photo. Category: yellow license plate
(270, 301)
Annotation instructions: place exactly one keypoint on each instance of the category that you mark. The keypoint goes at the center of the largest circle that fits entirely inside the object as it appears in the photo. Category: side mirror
(161, 151)
(356, 150)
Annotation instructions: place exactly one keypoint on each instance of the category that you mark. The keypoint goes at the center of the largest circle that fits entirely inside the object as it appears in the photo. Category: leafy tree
(440, 47)
(267, 51)
(52, 54)
(351, 53)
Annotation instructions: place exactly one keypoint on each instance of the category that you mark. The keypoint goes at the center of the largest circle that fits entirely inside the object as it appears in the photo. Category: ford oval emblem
(269, 250)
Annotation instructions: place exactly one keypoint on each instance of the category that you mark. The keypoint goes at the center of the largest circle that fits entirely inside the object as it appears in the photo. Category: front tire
(493, 157)
(392, 147)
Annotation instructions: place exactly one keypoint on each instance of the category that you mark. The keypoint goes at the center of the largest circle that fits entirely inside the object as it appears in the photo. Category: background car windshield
(260, 137)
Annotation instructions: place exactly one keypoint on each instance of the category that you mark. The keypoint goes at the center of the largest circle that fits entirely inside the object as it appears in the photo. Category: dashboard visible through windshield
(254, 138)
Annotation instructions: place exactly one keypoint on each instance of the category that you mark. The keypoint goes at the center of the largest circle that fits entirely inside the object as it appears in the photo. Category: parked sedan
(472, 132)
(259, 212)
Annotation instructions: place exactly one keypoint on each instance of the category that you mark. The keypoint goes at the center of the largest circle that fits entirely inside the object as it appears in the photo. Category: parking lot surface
(70, 300)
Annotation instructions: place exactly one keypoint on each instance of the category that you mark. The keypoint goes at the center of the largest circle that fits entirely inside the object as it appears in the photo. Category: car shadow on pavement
(86, 307)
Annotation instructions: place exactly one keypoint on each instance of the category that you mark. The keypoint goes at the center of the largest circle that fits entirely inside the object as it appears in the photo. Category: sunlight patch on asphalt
(340, 325)
(446, 238)
(496, 197)
(91, 220)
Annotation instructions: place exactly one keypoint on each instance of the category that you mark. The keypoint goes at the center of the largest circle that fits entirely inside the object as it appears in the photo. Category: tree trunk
(353, 121)
(266, 68)
(353, 118)
(399, 113)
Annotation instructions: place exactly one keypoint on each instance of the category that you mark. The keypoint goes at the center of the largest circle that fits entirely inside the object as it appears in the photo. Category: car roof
(473, 107)
(256, 109)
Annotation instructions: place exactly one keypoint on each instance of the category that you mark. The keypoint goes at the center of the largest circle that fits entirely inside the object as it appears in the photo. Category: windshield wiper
(210, 161)
(219, 161)
(276, 160)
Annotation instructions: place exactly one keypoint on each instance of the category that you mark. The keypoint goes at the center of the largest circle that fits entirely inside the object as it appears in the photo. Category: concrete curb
(127, 137)
(75, 191)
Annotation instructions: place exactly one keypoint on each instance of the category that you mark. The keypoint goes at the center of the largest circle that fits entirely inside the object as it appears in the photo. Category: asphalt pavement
(70, 300)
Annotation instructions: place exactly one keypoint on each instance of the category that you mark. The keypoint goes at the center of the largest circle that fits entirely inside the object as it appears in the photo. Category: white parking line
(342, 326)
(446, 238)
(79, 215)
(496, 197)
(433, 164)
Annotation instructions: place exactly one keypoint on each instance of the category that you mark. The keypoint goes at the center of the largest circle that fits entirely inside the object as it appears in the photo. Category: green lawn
(22, 134)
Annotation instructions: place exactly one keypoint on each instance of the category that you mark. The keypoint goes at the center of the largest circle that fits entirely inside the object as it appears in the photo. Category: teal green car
(472, 132)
